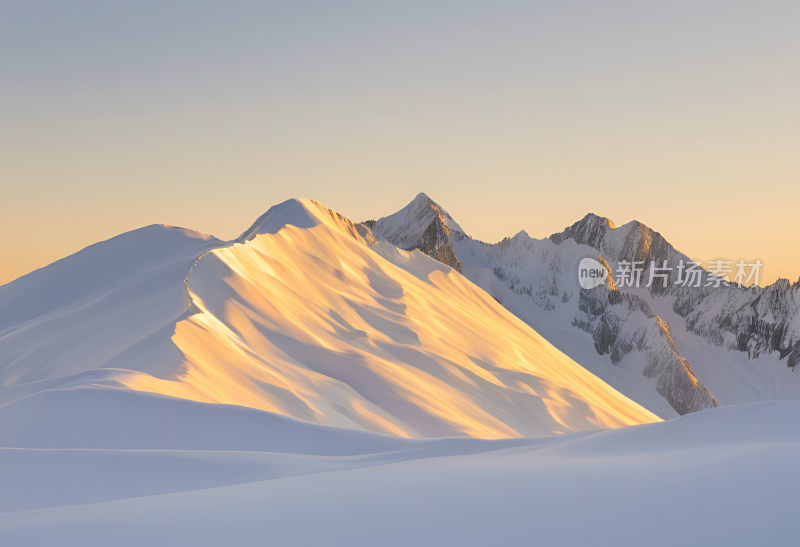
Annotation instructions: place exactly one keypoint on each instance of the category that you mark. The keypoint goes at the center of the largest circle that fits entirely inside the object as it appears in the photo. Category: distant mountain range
(403, 325)
(674, 349)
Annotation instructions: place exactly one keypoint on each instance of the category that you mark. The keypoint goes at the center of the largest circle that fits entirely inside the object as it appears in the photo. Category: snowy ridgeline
(355, 387)
(304, 315)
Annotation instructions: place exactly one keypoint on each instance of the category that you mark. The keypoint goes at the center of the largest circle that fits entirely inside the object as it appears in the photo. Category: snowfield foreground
(307, 385)
(187, 473)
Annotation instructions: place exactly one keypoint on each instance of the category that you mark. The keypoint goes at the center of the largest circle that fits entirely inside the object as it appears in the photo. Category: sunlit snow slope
(304, 316)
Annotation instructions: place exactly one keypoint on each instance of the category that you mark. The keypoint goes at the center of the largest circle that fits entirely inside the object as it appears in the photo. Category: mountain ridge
(673, 350)
(519, 272)
(305, 315)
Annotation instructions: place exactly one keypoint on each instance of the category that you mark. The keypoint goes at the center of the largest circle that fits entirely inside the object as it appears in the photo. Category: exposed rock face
(676, 380)
(535, 279)
(632, 242)
(436, 241)
(590, 230)
(422, 225)
(621, 324)
(754, 320)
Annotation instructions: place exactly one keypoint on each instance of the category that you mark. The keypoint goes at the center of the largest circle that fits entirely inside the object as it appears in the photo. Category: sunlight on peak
(376, 339)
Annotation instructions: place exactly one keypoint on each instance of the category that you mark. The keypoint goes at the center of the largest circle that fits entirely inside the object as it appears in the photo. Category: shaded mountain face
(753, 320)
(673, 349)
(632, 242)
(422, 225)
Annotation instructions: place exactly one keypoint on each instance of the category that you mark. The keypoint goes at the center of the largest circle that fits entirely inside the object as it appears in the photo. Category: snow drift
(718, 477)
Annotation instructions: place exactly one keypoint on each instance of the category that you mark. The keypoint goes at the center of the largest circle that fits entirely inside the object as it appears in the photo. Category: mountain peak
(422, 204)
(295, 212)
(406, 226)
(522, 234)
(422, 224)
(595, 219)
(422, 198)
(302, 213)
(589, 230)
(633, 241)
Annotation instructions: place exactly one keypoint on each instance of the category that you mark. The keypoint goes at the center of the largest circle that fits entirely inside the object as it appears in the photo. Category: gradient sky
(512, 115)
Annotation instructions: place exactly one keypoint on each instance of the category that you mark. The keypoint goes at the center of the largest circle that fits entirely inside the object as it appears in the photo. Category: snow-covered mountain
(674, 349)
(166, 386)
(304, 315)
(422, 225)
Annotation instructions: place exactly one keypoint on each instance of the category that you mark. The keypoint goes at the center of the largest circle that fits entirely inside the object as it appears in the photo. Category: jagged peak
(781, 284)
(522, 234)
(592, 218)
(423, 202)
(633, 240)
(407, 225)
(422, 199)
(589, 230)
(638, 225)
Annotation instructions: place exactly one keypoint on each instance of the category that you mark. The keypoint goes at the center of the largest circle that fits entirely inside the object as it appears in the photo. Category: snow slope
(303, 316)
(718, 477)
(111, 305)
(306, 385)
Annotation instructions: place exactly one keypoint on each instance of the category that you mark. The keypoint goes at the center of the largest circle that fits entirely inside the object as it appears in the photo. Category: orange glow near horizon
(760, 234)
(511, 115)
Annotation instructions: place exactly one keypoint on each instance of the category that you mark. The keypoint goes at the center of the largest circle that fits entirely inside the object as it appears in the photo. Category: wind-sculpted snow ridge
(310, 322)
(165, 386)
(304, 316)
(674, 350)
